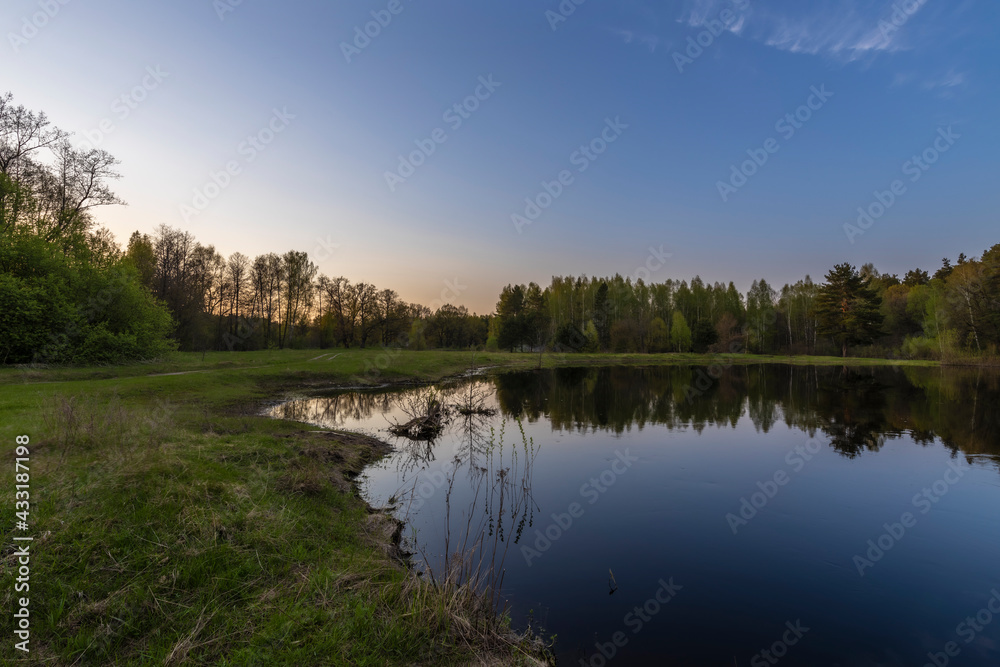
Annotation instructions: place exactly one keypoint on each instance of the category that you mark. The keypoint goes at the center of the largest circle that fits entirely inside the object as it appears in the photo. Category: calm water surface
(773, 515)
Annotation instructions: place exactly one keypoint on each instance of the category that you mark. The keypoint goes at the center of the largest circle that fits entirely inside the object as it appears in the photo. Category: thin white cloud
(944, 84)
(647, 41)
(842, 29)
(699, 13)
(902, 78)
(949, 80)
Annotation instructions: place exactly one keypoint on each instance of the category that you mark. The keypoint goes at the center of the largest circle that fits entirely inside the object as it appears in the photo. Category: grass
(175, 525)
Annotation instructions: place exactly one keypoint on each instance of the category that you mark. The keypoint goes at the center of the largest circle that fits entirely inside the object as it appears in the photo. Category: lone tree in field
(847, 308)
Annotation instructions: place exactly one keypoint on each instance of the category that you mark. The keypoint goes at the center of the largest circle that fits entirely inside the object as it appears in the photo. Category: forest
(70, 293)
(953, 313)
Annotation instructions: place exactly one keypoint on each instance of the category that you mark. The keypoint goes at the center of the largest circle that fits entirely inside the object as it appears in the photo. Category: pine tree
(510, 310)
(848, 308)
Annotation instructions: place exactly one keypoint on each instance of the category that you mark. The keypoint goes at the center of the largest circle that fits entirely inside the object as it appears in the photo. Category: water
(827, 516)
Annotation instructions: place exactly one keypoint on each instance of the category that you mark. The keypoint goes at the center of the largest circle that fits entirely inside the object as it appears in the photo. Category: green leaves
(57, 307)
(848, 309)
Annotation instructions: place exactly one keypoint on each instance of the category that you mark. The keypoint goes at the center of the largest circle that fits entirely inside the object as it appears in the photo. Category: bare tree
(237, 276)
(56, 194)
(366, 295)
(340, 302)
(81, 183)
(266, 278)
(23, 132)
(296, 291)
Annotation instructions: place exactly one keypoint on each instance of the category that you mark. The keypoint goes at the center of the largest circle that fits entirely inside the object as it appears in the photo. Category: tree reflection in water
(858, 408)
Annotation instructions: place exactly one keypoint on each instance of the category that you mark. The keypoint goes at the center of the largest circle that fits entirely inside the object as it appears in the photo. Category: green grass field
(174, 524)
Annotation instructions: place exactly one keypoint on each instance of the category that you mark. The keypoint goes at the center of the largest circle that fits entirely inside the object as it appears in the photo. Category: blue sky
(333, 112)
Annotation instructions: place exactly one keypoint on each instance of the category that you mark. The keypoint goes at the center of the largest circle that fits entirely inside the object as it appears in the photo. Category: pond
(695, 516)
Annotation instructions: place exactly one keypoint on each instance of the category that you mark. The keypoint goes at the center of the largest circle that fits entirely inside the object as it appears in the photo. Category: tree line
(954, 312)
(281, 301)
(70, 293)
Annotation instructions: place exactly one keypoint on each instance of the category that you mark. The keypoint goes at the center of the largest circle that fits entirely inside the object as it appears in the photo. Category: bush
(921, 347)
(56, 307)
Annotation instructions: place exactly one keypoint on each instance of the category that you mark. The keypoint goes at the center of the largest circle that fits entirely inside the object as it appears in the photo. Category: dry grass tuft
(73, 423)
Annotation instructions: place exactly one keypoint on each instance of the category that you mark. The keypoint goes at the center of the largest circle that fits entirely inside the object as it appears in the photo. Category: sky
(445, 149)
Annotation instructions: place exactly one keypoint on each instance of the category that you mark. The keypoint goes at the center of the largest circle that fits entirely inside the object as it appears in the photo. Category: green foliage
(703, 336)
(593, 341)
(63, 308)
(659, 336)
(761, 315)
(523, 317)
(602, 316)
(569, 338)
(680, 333)
(510, 310)
(847, 308)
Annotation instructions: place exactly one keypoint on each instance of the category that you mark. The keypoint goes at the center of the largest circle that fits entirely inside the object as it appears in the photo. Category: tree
(916, 277)
(602, 316)
(140, 255)
(680, 333)
(180, 281)
(81, 183)
(536, 315)
(659, 336)
(569, 338)
(510, 310)
(848, 309)
(366, 295)
(761, 315)
(237, 278)
(966, 287)
(945, 269)
(63, 308)
(296, 291)
(265, 279)
(703, 336)
(728, 338)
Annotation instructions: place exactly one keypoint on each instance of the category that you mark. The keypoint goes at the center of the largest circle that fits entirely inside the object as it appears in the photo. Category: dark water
(821, 515)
